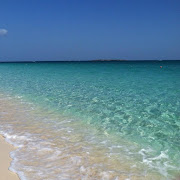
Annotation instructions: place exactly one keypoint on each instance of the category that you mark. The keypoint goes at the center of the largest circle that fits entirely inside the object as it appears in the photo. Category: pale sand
(5, 160)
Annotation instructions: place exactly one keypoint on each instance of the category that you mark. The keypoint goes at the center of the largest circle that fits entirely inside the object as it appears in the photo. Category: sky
(89, 29)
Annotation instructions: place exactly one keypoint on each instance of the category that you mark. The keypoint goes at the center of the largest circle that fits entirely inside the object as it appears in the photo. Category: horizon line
(94, 60)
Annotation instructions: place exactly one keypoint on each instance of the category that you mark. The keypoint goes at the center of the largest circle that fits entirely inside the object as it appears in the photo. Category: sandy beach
(5, 160)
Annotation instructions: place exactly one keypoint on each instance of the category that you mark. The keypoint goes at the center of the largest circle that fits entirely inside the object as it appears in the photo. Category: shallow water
(92, 120)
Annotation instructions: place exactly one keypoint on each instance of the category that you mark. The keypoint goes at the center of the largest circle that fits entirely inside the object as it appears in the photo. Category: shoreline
(15, 112)
(5, 161)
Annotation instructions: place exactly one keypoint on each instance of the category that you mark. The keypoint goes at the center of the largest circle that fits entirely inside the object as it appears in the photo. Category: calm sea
(92, 120)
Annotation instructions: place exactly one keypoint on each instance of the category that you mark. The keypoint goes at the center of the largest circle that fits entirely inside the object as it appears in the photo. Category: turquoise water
(133, 103)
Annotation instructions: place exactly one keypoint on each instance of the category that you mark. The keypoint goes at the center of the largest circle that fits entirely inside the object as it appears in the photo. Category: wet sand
(5, 160)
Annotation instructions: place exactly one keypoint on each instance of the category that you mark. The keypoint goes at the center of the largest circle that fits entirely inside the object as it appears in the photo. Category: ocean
(92, 120)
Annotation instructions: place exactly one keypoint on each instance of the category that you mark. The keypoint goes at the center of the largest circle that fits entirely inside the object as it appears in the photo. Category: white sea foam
(159, 162)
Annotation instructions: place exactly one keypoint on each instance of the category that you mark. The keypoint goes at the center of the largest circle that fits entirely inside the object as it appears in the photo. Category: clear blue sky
(89, 29)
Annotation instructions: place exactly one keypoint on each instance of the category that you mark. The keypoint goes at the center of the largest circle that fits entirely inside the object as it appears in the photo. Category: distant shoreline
(101, 60)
